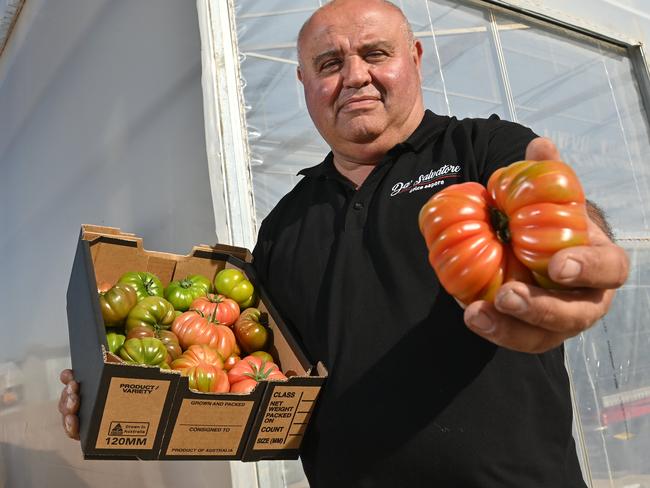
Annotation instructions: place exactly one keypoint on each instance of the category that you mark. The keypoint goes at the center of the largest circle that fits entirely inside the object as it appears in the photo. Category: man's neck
(356, 161)
(353, 171)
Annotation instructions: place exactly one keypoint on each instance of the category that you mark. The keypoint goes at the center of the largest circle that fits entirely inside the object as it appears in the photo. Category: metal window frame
(227, 147)
(9, 12)
(642, 71)
(226, 136)
(635, 48)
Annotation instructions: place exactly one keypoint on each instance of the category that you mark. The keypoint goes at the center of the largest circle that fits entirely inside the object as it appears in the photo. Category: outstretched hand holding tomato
(582, 267)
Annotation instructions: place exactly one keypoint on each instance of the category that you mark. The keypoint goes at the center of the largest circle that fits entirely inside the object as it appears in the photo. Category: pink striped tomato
(480, 238)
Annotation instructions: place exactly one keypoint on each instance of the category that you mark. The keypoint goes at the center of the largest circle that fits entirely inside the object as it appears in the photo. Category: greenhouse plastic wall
(581, 90)
(101, 121)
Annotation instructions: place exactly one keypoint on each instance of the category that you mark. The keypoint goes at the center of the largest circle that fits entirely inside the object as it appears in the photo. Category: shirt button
(358, 206)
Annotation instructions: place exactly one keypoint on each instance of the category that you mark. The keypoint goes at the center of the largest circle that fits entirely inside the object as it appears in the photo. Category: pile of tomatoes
(197, 326)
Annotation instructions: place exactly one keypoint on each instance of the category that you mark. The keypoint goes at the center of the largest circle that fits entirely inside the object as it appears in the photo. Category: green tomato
(153, 312)
(116, 303)
(114, 341)
(233, 284)
(145, 284)
(244, 294)
(181, 293)
(145, 350)
(251, 330)
(226, 279)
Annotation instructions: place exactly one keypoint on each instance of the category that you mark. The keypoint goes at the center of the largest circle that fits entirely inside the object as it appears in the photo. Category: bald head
(339, 6)
(360, 71)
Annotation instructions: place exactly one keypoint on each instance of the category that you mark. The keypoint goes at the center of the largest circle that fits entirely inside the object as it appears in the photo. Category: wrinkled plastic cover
(580, 92)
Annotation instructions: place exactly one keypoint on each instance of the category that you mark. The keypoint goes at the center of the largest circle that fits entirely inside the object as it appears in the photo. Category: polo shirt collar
(432, 125)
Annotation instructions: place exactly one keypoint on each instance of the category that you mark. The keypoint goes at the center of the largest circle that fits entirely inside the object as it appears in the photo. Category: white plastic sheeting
(580, 91)
(101, 121)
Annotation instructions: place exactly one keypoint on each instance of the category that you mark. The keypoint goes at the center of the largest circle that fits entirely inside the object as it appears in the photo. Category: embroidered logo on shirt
(429, 180)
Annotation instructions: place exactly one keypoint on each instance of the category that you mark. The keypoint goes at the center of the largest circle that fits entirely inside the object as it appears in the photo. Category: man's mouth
(359, 103)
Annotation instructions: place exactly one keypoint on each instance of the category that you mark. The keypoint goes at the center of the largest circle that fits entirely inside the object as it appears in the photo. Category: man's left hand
(531, 319)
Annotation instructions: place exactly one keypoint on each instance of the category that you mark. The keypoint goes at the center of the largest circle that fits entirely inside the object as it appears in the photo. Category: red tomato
(230, 362)
(193, 327)
(204, 368)
(245, 375)
(104, 286)
(263, 355)
(224, 310)
(199, 354)
(244, 386)
(478, 239)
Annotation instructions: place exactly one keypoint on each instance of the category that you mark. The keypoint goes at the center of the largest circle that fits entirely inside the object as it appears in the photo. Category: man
(414, 398)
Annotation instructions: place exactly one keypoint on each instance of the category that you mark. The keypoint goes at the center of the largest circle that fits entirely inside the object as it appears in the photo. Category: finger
(567, 311)
(593, 267)
(63, 398)
(527, 318)
(510, 332)
(71, 426)
(542, 149)
(602, 264)
(69, 401)
(66, 376)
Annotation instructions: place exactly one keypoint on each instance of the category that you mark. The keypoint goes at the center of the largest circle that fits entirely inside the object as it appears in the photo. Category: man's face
(361, 75)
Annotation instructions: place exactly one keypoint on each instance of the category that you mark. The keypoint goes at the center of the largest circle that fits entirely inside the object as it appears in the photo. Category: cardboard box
(142, 412)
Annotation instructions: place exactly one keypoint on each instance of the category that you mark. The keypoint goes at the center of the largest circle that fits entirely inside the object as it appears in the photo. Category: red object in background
(625, 411)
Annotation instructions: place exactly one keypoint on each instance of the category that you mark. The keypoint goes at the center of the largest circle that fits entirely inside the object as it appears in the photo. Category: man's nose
(356, 72)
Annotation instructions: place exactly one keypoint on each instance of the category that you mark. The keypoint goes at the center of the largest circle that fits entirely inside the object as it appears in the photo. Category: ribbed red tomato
(230, 361)
(204, 368)
(225, 310)
(193, 327)
(480, 238)
(247, 373)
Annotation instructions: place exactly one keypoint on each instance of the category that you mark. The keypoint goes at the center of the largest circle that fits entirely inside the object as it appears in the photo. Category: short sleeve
(506, 144)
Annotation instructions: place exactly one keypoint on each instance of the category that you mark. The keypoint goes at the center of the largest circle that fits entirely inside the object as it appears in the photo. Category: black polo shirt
(414, 398)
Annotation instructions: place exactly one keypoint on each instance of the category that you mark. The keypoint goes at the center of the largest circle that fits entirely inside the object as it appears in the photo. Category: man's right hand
(69, 404)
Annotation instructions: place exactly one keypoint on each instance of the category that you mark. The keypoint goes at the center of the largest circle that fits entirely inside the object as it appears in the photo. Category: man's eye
(330, 64)
(375, 55)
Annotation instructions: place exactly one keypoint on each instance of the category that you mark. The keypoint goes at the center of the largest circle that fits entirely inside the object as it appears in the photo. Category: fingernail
(68, 389)
(69, 403)
(571, 269)
(483, 323)
(511, 301)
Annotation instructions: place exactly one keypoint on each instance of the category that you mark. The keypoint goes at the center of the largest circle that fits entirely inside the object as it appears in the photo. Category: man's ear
(299, 73)
(417, 55)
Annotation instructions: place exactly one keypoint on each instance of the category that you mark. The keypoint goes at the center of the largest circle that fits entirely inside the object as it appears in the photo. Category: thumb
(542, 149)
